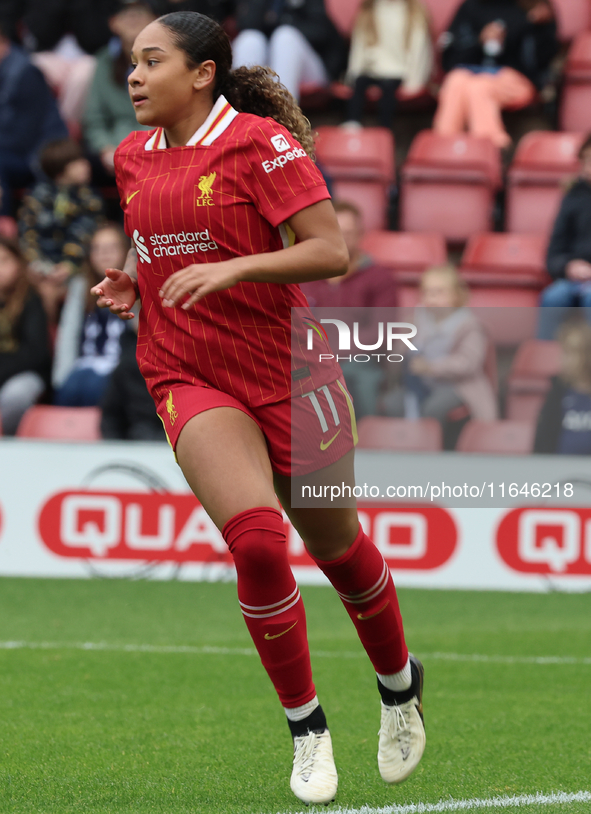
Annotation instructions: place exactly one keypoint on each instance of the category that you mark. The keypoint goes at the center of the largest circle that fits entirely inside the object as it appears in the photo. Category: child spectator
(128, 411)
(390, 46)
(88, 338)
(25, 354)
(496, 54)
(109, 116)
(450, 369)
(57, 220)
(363, 290)
(564, 423)
(569, 252)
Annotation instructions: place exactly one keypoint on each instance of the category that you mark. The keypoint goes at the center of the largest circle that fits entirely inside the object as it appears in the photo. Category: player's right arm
(119, 290)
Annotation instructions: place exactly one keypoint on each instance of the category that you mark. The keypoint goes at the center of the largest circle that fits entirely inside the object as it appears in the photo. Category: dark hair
(15, 301)
(249, 90)
(584, 146)
(56, 155)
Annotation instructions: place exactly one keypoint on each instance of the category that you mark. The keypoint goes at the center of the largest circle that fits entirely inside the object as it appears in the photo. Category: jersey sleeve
(279, 177)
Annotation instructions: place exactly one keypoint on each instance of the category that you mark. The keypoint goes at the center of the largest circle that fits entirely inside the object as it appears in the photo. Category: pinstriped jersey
(227, 193)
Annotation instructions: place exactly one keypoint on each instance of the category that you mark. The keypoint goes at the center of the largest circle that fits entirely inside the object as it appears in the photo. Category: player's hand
(116, 292)
(197, 280)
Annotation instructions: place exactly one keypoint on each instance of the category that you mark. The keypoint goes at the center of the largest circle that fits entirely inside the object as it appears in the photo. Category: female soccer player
(211, 197)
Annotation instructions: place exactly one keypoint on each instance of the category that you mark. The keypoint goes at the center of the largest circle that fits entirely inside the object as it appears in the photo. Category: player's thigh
(328, 531)
(224, 457)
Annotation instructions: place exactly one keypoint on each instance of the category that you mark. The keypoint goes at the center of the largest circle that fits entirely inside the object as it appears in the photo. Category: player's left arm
(319, 253)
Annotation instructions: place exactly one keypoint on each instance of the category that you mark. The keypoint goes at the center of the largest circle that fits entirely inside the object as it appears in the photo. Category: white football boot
(314, 777)
(402, 732)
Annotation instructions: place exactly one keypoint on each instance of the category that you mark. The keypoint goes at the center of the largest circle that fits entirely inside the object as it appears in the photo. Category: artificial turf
(164, 732)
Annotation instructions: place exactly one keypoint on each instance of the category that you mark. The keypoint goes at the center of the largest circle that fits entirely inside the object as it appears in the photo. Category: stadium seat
(535, 362)
(408, 254)
(498, 437)
(509, 315)
(501, 259)
(343, 14)
(379, 432)
(572, 16)
(441, 13)
(575, 111)
(543, 161)
(361, 166)
(448, 184)
(60, 423)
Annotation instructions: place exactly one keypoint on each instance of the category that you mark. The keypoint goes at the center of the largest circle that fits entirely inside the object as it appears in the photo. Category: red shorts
(303, 434)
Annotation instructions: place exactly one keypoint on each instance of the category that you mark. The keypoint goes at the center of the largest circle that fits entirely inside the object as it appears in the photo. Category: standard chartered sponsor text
(434, 491)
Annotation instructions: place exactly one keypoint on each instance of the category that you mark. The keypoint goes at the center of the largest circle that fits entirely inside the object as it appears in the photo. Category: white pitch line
(250, 651)
(559, 798)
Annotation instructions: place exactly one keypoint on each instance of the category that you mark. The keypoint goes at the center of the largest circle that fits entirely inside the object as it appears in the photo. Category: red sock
(271, 603)
(364, 583)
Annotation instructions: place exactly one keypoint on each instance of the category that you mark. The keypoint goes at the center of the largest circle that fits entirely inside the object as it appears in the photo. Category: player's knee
(256, 538)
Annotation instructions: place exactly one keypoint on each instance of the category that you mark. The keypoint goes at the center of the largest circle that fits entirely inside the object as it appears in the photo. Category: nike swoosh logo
(371, 615)
(133, 194)
(268, 636)
(326, 445)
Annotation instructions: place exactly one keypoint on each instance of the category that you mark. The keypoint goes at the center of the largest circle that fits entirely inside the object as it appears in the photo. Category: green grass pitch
(164, 732)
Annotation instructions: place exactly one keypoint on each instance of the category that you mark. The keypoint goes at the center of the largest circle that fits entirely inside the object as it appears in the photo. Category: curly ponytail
(249, 90)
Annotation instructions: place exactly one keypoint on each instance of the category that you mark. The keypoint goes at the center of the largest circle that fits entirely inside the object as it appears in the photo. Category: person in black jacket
(496, 54)
(28, 118)
(568, 259)
(564, 423)
(128, 411)
(296, 38)
(25, 354)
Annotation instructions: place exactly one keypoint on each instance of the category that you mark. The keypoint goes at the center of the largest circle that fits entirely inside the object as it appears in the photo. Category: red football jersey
(227, 193)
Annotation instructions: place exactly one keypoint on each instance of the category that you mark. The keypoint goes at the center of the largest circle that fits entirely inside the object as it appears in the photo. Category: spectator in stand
(390, 47)
(363, 291)
(88, 342)
(57, 220)
(496, 54)
(450, 369)
(62, 35)
(128, 411)
(218, 10)
(564, 423)
(109, 115)
(25, 353)
(569, 253)
(28, 118)
(296, 38)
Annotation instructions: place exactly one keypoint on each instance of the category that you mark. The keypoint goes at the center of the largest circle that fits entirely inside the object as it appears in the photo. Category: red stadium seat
(441, 13)
(60, 423)
(572, 16)
(575, 112)
(448, 184)
(408, 254)
(378, 432)
(364, 155)
(343, 14)
(498, 437)
(361, 165)
(371, 198)
(510, 315)
(500, 259)
(535, 362)
(542, 163)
